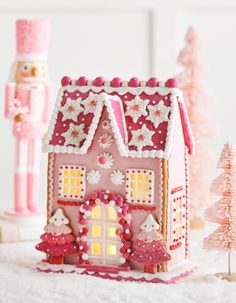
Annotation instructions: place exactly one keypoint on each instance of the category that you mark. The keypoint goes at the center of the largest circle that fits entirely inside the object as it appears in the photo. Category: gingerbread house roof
(142, 116)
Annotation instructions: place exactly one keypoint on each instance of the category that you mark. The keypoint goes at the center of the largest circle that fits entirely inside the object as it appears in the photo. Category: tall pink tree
(57, 241)
(196, 97)
(223, 212)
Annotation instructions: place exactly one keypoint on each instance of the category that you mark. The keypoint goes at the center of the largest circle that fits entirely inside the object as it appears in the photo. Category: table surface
(19, 283)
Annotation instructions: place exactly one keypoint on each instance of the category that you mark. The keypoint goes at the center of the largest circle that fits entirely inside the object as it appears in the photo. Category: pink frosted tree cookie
(149, 248)
(57, 241)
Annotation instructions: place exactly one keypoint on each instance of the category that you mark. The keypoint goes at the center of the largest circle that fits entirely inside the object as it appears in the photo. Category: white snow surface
(19, 283)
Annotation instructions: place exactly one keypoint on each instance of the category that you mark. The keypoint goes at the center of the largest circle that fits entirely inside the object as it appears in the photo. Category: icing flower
(158, 113)
(105, 160)
(141, 138)
(71, 109)
(105, 140)
(106, 124)
(93, 176)
(117, 177)
(136, 108)
(90, 103)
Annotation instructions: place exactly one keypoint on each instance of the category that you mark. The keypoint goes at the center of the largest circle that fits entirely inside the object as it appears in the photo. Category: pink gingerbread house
(118, 152)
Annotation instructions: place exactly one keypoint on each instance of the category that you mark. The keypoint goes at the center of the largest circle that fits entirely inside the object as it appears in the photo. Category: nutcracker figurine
(28, 104)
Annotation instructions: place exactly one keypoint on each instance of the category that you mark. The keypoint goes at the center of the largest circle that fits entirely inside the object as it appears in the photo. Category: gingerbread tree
(223, 212)
(196, 98)
(149, 248)
(57, 241)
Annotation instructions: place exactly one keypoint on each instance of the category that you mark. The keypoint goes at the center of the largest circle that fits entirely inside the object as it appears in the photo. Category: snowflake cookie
(71, 109)
(158, 113)
(136, 108)
(74, 135)
(141, 137)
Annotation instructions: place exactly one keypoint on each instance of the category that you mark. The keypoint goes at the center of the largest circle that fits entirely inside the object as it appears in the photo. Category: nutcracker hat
(32, 40)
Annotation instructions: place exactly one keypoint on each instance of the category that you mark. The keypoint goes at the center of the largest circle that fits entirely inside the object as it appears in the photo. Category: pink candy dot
(82, 81)
(65, 81)
(116, 82)
(172, 82)
(104, 140)
(102, 160)
(99, 81)
(134, 82)
(152, 82)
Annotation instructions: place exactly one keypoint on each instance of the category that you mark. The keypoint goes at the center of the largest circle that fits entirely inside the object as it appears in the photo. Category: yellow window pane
(66, 172)
(132, 194)
(96, 212)
(65, 181)
(96, 249)
(111, 249)
(72, 181)
(139, 194)
(78, 173)
(72, 191)
(147, 186)
(78, 191)
(132, 176)
(140, 185)
(111, 232)
(65, 190)
(111, 213)
(147, 178)
(72, 173)
(96, 231)
(132, 185)
(146, 195)
(78, 182)
(140, 176)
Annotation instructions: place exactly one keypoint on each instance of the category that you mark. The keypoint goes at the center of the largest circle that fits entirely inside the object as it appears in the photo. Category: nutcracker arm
(10, 89)
(48, 108)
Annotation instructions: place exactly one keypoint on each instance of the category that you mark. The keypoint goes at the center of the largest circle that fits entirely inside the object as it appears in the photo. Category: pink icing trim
(120, 278)
(57, 230)
(186, 129)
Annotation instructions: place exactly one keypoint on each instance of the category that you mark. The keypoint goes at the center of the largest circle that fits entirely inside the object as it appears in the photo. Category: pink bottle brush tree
(196, 98)
(57, 241)
(149, 248)
(223, 212)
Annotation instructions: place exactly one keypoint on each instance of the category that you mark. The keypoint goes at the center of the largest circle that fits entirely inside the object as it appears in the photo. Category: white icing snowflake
(74, 135)
(93, 176)
(136, 108)
(158, 113)
(71, 109)
(106, 124)
(105, 160)
(141, 137)
(90, 103)
(105, 140)
(117, 177)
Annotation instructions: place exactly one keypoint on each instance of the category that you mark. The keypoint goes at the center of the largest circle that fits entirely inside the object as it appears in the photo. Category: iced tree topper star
(71, 109)
(74, 135)
(136, 108)
(158, 113)
(141, 137)
(90, 104)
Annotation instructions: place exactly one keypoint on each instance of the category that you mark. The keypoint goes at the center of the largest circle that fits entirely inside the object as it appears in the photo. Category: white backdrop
(124, 38)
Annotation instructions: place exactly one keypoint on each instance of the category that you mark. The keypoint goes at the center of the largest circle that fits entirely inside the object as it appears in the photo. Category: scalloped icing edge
(176, 96)
(180, 271)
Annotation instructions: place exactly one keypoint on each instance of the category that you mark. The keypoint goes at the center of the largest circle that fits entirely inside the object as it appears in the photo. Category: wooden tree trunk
(150, 269)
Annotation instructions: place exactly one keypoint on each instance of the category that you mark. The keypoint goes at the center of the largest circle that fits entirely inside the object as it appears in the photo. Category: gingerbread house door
(104, 244)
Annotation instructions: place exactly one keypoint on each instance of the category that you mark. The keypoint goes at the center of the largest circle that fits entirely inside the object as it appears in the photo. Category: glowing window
(111, 250)
(96, 231)
(96, 212)
(72, 182)
(111, 213)
(111, 232)
(139, 186)
(178, 215)
(96, 249)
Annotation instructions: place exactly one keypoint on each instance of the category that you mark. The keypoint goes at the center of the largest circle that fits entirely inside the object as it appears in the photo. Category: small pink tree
(57, 241)
(196, 97)
(149, 248)
(223, 212)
